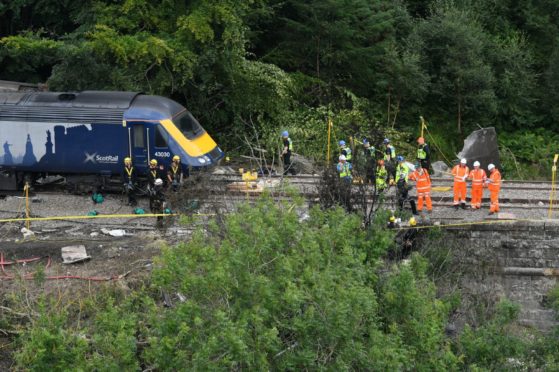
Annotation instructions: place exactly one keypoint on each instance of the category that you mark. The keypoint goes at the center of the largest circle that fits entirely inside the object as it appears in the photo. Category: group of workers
(393, 170)
(157, 178)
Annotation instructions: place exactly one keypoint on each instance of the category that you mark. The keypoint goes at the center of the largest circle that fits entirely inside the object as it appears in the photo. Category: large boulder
(440, 169)
(481, 145)
(302, 164)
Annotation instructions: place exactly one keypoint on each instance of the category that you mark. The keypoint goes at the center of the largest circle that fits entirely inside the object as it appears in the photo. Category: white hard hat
(490, 166)
(476, 164)
(342, 157)
(158, 182)
(463, 161)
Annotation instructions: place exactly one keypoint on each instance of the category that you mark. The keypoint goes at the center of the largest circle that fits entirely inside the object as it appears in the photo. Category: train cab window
(161, 137)
(139, 138)
(188, 125)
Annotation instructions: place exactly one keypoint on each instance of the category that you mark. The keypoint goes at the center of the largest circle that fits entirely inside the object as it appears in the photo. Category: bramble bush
(261, 289)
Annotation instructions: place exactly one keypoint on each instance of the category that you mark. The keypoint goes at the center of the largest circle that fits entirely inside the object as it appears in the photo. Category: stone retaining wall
(508, 259)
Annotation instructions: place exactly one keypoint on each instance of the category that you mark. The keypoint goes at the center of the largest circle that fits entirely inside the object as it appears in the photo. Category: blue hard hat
(285, 133)
(365, 141)
(386, 140)
(400, 158)
(341, 143)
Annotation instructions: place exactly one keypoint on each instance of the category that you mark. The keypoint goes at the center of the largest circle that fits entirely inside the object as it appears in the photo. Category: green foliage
(494, 346)
(533, 149)
(412, 311)
(49, 345)
(249, 69)
(272, 293)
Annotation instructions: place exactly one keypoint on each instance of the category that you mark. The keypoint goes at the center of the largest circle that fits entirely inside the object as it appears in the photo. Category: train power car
(91, 132)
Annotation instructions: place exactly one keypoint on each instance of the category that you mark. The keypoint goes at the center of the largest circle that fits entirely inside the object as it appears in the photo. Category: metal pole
(27, 222)
(553, 176)
(329, 133)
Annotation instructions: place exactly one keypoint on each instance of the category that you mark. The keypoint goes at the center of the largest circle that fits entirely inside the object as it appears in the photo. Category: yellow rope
(467, 224)
(435, 143)
(93, 217)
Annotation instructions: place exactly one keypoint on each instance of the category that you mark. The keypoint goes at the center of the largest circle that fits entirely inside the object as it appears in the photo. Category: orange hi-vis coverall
(460, 173)
(423, 185)
(478, 177)
(494, 185)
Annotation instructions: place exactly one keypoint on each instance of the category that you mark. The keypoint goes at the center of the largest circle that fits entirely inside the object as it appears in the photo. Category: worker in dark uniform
(402, 192)
(174, 174)
(423, 154)
(286, 154)
(370, 163)
(157, 200)
(129, 181)
(153, 172)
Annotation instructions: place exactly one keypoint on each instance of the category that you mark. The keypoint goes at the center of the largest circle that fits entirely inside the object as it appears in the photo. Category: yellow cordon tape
(90, 217)
(467, 224)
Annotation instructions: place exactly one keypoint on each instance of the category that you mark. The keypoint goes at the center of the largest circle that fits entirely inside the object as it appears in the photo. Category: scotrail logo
(94, 158)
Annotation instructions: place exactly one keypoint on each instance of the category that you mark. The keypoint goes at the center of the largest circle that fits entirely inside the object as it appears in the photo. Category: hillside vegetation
(252, 68)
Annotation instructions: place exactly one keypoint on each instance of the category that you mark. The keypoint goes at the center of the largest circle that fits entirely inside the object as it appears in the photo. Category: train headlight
(207, 158)
(201, 160)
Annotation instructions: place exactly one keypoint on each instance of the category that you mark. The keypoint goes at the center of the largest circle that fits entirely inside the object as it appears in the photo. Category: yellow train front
(159, 128)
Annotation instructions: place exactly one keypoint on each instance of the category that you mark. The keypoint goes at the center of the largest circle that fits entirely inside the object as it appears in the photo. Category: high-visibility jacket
(478, 177)
(389, 153)
(423, 181)
(495, 181)
(289, 144)
(129, 175)
(460, 173)
(346, 151)
(370, 152)
(344, 169)
(423, 152)
(382, 173)
(402, 171)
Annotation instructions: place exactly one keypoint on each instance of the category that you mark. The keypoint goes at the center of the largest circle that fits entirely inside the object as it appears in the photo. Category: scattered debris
(506, 216)
(73, 254)
(181, 297)
(224, 170)
(94, 234)
(116, 233)
(27, 234)
(97, 198)
(541, 204)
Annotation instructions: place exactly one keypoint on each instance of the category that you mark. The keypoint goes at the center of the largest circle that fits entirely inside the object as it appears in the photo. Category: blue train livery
(92, 132)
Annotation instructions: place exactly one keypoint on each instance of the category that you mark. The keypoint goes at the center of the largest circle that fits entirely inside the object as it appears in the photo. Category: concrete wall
(518, 260)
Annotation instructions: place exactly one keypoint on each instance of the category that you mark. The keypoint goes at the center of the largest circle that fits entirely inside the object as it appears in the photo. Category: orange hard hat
(421, 140)
(381, 162)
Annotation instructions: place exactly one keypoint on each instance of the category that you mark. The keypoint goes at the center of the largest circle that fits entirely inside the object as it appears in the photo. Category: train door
(139, 146)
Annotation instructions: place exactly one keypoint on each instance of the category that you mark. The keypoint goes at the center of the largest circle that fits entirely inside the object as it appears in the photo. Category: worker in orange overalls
(460, 173)
(478, 177)
(423, 186)
(494, 185)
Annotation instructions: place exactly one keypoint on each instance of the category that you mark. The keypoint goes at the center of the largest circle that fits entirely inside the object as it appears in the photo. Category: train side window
(139, 139)
(161, 137)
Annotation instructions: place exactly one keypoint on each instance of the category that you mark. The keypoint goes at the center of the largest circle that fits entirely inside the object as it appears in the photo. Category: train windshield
(188, 125)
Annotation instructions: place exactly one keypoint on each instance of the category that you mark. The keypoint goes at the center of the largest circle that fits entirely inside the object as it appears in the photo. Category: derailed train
(91, 132)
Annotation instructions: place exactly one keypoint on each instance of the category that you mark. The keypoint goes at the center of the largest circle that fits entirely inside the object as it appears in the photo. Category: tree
(339, 42)
(461, 79)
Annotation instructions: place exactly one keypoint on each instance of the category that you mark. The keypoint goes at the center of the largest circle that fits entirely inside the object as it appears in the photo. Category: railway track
(523, 199)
